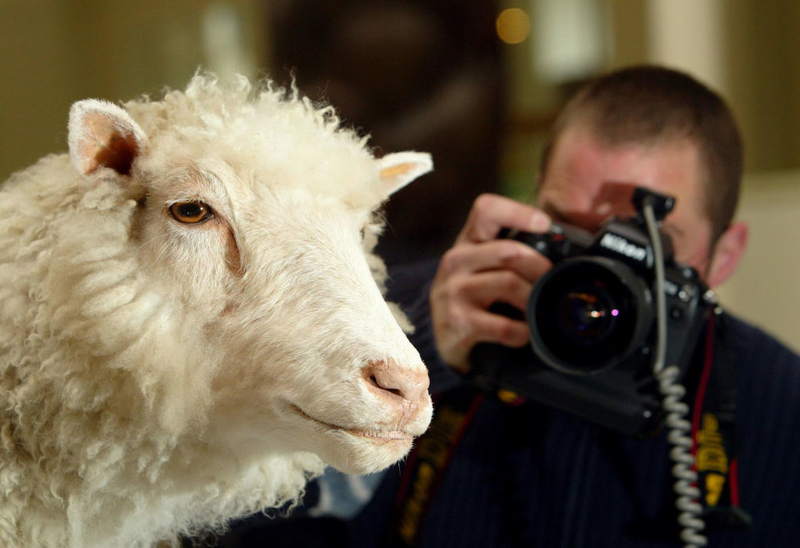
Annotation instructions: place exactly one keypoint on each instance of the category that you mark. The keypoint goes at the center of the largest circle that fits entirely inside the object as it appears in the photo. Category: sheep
(192, 320)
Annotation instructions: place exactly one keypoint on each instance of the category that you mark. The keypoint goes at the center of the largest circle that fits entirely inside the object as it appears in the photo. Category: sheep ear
(102, 134)
(398, 169)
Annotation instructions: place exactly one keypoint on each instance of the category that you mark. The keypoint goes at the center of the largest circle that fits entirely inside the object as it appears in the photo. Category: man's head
(658, 128)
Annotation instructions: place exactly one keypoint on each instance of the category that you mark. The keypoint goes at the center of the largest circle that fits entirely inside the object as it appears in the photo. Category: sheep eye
(190, 212)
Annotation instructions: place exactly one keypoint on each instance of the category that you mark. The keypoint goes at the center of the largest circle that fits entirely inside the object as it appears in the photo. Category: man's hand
(480, 270)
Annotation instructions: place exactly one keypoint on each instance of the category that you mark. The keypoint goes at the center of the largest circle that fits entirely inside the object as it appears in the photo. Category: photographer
(507, 471)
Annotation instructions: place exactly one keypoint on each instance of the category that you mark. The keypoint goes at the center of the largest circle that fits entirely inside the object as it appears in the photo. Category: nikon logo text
(623, 247)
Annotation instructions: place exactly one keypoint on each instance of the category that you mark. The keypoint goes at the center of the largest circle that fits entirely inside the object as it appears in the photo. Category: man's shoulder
(768, 370)
(752, 343)
(768, 404)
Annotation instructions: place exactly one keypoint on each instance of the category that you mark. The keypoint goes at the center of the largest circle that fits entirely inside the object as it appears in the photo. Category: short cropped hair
(647, 104)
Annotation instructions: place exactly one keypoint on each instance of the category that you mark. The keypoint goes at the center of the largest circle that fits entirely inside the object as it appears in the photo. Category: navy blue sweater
(532, 476)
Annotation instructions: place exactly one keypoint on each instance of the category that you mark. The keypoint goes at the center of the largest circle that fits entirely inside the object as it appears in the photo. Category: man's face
(587, 182)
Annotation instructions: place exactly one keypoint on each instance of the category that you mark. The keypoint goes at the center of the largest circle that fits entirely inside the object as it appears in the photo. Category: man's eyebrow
(554, 213)
(673, 228)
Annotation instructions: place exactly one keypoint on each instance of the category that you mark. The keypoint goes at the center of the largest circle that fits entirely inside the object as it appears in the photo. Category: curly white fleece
(104, 414)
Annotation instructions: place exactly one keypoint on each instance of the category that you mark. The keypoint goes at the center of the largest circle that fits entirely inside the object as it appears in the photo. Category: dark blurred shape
(417, 75)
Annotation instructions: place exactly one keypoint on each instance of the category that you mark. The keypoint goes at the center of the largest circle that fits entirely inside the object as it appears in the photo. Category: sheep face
(252, 235)
(310, 357)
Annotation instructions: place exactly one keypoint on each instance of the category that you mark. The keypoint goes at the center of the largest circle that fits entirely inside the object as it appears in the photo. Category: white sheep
(189, 321)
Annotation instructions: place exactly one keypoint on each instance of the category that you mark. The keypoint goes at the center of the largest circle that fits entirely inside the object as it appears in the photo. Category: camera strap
(714, 431)
(428, 461)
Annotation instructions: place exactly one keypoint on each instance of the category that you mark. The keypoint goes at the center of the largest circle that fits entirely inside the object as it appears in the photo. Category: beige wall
(762, 41)
(58, 51)
(765, 288)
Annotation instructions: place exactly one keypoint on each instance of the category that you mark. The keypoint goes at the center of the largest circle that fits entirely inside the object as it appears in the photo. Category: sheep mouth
(377, 435)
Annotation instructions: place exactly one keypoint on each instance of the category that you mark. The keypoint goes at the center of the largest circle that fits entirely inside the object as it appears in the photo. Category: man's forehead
(672, 165)
(591, 179)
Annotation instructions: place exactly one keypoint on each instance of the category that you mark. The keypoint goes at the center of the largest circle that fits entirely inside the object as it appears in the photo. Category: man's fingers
(461, 319)
(481, 270)
(459, 296)
(455, 341)
(494, 255)
(486, 288)
(493, 328)
(491, 212)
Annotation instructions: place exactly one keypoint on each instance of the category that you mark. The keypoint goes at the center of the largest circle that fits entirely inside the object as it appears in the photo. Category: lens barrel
(588, 314)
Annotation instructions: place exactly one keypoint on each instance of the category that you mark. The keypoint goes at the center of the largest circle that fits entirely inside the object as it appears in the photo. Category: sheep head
(257, 240)
(207, 308)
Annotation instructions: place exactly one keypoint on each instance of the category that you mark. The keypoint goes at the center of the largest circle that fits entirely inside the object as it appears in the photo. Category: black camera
(593, 325)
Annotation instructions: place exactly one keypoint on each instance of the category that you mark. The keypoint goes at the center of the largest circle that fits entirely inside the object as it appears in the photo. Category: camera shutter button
(686, 293)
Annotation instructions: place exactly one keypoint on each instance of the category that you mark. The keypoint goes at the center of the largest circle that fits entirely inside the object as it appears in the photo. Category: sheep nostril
(404, 383)
(395, 391)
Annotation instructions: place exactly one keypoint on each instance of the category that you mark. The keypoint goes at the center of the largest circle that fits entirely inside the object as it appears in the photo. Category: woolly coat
(128, 353)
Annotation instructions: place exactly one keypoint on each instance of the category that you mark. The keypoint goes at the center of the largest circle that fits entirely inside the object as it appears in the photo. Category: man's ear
(727, 254)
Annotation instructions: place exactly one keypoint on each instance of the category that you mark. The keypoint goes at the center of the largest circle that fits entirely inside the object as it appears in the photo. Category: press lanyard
(714, 432)
(428, 462)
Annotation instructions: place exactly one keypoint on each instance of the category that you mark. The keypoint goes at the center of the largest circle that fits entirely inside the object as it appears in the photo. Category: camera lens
(585, 313)
(588, 314)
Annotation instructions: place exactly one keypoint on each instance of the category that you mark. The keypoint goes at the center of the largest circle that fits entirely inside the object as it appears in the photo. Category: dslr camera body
(592, 319)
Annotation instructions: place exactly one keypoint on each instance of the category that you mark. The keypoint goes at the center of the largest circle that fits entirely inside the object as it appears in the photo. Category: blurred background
(476, 83)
